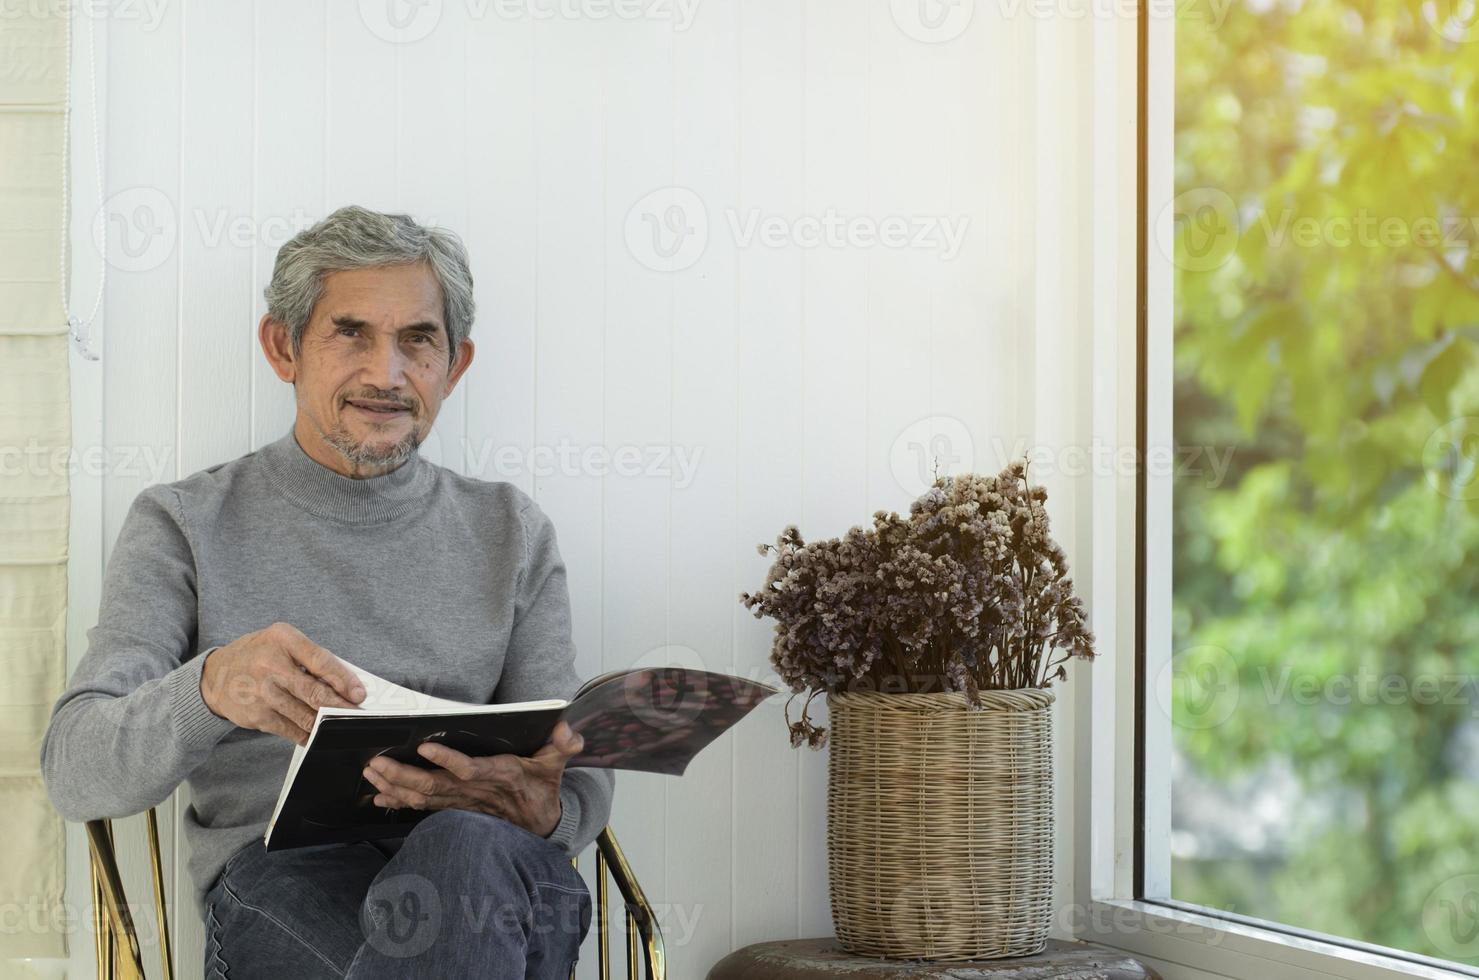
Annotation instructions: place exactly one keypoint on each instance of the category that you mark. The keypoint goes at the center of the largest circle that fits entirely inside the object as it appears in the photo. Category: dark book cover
(653, 719)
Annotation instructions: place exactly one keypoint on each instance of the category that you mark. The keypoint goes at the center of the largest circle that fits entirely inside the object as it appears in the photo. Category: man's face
(373, 369)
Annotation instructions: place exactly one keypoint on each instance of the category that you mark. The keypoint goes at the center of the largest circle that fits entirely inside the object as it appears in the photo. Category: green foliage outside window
(1326, 605)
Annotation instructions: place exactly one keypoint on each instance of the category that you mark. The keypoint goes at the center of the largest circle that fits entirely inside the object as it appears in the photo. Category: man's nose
(387, 365)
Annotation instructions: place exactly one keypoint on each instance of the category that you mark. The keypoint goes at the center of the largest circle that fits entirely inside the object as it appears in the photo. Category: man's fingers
(321, 663)
(278, 724)
(460, 765)
(414, 801)
(284, 703)
(564, 744)
(567, 740)
(409, 782)
(313, 692)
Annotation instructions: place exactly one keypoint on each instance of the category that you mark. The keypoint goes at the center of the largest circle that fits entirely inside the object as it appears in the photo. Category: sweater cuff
(564, 833)
(195, 723)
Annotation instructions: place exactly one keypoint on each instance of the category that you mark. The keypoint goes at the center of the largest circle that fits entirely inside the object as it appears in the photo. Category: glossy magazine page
(656, 719)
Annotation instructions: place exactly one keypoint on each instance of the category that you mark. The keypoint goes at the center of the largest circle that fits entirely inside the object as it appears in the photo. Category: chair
(120, 958)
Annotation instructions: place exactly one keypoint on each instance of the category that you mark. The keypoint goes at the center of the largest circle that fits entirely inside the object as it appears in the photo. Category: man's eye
(423, 338)
(347, 331)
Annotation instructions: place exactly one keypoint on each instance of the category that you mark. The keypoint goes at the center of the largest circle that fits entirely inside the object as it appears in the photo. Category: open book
(654, 719)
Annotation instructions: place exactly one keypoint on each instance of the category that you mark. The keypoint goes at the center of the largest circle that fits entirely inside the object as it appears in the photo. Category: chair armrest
(122, 956)
(640, 917)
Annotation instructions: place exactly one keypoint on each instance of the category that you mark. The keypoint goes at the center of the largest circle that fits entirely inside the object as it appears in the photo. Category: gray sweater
(438, 582)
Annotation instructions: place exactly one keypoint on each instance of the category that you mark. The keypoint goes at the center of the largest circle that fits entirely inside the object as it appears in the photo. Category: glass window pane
(1325, 623)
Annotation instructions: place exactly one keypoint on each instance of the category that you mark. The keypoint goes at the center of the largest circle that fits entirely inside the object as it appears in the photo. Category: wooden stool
(801, 959)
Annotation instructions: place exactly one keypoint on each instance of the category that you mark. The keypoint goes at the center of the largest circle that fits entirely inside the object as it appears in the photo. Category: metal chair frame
(119, 956)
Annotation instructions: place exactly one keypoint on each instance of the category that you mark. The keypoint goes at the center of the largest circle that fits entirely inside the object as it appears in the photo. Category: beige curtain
(35, 442)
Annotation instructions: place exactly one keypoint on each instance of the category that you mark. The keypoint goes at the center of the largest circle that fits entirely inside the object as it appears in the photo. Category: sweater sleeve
(540, 663)
(132, 725)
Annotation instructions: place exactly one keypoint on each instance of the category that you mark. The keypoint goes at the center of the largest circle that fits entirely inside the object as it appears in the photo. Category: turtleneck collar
(319, 490)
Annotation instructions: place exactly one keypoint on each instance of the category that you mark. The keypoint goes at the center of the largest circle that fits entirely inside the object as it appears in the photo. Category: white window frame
(1178, 940)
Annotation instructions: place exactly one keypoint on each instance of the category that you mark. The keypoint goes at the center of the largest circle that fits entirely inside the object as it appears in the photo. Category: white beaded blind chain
(81, 328)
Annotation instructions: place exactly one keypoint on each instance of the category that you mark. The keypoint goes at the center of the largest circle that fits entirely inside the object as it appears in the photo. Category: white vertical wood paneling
(289, 182)
(898, 311)
(216, 233)
(569, 383)
(768, 451)
(702, 813)
(638, 309)
(362, 124)
(142, 140)
(834, 359)
(502, 241)
(971, 326)
(808, 384)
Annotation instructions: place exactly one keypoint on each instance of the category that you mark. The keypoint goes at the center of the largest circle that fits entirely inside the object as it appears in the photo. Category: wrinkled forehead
(388, 297)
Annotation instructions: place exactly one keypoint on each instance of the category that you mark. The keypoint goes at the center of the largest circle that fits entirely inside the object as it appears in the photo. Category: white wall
(804, 380)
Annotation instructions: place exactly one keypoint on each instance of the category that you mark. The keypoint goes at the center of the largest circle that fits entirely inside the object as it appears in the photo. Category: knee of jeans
(458, 831)
(460, 824)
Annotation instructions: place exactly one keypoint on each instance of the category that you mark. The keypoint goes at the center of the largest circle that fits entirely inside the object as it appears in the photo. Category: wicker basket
(940, 824)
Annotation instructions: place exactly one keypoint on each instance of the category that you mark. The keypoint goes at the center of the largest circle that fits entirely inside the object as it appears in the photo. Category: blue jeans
(462, 895)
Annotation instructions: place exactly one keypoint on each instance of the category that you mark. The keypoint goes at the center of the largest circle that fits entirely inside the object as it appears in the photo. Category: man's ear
(459, 366)
(277, 344)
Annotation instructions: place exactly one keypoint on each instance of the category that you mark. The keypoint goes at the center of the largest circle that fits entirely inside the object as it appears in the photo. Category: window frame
(1121, 744)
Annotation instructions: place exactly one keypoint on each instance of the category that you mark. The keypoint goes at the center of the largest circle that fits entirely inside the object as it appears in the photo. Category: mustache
(379, 397)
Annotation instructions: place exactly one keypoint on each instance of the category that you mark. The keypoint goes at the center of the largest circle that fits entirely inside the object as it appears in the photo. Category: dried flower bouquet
(968, 593)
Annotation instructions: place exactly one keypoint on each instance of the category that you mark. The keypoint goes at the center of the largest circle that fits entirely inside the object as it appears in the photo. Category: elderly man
(231, 595)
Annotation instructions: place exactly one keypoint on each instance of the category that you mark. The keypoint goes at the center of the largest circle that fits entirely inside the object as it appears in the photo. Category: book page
(385, 695)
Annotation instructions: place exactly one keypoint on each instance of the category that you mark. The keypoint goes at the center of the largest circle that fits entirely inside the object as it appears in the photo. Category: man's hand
(275, 680)
(523, 791)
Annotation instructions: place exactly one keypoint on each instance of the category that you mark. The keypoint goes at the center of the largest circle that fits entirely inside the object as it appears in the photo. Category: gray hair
(356, 238)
